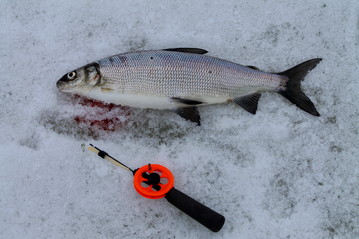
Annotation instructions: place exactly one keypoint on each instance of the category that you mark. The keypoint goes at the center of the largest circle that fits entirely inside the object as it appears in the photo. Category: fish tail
(292, 90)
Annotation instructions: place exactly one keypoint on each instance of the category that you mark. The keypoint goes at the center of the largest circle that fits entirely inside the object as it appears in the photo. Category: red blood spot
(108, 117)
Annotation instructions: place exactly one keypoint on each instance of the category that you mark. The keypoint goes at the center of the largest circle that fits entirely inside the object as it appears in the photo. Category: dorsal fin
(188, 50)
(253, 67)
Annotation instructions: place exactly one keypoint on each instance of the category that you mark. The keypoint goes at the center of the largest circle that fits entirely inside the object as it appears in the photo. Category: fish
(183, 79)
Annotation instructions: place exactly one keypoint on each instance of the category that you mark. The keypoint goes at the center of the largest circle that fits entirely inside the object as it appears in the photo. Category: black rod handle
(201, 213)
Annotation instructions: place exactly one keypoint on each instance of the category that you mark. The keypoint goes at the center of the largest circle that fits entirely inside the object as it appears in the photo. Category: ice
(281, 173)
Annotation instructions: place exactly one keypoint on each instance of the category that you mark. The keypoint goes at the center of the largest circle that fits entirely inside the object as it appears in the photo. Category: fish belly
(145, 101)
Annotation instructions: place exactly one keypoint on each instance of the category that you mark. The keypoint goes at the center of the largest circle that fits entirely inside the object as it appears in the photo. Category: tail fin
(293, 91)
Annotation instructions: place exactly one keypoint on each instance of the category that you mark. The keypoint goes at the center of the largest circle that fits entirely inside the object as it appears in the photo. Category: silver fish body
(182, 75)
(175, 79)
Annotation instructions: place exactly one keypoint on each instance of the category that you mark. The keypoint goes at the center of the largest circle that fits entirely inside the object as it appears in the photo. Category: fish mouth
(63, 84)
(60, 84)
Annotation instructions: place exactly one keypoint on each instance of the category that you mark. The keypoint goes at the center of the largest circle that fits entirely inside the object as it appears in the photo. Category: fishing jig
(155, 181)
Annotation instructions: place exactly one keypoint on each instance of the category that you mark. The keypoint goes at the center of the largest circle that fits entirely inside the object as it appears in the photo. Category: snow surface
(281, 173)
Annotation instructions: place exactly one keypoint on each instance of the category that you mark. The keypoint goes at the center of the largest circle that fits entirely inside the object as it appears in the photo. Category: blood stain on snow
(108, 117)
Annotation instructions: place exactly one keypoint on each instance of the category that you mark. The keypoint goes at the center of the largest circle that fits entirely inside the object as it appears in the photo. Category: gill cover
(92, 74)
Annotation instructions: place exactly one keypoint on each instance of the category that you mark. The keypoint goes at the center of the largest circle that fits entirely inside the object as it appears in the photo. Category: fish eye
(71, 75)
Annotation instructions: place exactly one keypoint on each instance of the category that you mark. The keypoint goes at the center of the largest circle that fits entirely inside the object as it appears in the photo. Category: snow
(281, 173)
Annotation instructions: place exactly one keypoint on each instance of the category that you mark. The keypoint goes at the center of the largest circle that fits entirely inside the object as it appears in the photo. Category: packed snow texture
(281, 173)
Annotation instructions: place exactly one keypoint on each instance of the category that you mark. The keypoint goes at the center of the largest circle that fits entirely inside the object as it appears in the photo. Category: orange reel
(153, 181)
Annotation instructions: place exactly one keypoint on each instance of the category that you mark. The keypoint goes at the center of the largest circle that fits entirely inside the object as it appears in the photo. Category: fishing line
(109, 158)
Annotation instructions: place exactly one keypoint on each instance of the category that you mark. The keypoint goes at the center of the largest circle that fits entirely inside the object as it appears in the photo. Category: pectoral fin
(248, 102)
(188, 50)
(189, 113)
(106, 89)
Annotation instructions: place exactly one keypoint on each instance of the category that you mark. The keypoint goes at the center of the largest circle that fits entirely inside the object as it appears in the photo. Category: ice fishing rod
(155, 181)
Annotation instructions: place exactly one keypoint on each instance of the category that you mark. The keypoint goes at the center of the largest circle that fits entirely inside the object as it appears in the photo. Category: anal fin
(189, 113)
(248, 102)
(188, 50)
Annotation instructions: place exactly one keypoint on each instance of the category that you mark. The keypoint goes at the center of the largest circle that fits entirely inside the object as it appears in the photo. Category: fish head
(80, 80)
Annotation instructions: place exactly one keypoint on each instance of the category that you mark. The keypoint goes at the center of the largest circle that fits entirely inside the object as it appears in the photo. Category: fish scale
(173, 74)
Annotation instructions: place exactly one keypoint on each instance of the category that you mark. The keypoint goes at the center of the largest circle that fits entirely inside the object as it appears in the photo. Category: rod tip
(91, 148)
